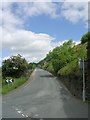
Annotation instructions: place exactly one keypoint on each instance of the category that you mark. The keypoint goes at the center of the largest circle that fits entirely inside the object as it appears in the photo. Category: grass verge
(9, 87)
(17, 82)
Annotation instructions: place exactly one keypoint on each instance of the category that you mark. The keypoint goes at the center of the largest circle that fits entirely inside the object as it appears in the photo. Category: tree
(59, 57)
(32, 65)
(85, 38)
(62, 55)
(15, 66)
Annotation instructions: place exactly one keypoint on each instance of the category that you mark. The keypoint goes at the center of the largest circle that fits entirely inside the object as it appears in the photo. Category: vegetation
(85, 37)
(9, 87)
(32, 65)
(63, 61)
(17, 69)
(15, 66)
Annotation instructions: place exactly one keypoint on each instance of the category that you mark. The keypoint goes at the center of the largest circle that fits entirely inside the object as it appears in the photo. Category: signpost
(83, 65)
(83, 81)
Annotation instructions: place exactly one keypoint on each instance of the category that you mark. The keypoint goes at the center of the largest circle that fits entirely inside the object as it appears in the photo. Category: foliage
(9, 87)
(32, 65)
(15, 66)
(50, 68)
(64, 59)
(59, 57)
(85, 37)
(71, 70)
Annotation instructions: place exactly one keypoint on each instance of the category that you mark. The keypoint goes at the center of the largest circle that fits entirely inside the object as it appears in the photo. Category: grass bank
(17, 82)
(11, 86)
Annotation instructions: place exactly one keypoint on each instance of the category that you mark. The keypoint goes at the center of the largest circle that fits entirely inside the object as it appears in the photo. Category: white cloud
(7, 57)
(71, 11)
(63, 41)
(75, 12)
(32, 45)
(30, 9)
(9, 19)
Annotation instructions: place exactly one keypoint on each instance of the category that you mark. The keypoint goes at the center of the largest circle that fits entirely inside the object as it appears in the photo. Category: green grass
(11, 86)
(5, 88)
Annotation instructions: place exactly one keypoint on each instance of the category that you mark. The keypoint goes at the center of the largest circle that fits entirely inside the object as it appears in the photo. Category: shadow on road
(46, 76)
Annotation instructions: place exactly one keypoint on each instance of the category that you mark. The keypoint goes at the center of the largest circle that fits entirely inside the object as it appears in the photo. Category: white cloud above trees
(27, 43)
(34, 46)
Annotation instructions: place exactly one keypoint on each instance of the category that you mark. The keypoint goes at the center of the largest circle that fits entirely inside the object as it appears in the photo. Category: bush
(85, 38)
(15, 66)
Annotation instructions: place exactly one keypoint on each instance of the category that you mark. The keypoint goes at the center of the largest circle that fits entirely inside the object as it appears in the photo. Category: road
(42, 97)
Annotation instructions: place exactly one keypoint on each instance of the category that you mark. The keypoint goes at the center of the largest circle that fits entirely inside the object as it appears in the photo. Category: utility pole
(82, 66)
(83, 81)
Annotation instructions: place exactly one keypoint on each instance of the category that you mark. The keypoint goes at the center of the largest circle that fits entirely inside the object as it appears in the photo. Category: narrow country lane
(42, 97)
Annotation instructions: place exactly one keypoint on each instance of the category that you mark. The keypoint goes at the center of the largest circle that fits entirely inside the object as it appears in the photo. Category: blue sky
(60, 28)
(33, 29)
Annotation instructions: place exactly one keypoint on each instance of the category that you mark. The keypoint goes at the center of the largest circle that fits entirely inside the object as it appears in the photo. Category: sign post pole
(83, 65)
(83, 81)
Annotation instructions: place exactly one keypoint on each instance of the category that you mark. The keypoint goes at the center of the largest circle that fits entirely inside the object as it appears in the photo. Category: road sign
(81, 64)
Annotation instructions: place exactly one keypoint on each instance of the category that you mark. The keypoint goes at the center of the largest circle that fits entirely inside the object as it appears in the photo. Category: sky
(33, 28)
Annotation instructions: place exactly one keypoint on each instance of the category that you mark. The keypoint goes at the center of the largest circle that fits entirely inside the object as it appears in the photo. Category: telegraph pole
(83, 81)
(82, 66)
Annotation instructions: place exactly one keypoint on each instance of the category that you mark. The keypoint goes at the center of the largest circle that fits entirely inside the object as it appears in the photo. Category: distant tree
(32, 65)
(15, 66)
(85, 37)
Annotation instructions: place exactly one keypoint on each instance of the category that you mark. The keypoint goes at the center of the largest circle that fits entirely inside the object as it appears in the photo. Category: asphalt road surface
(42, 97)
